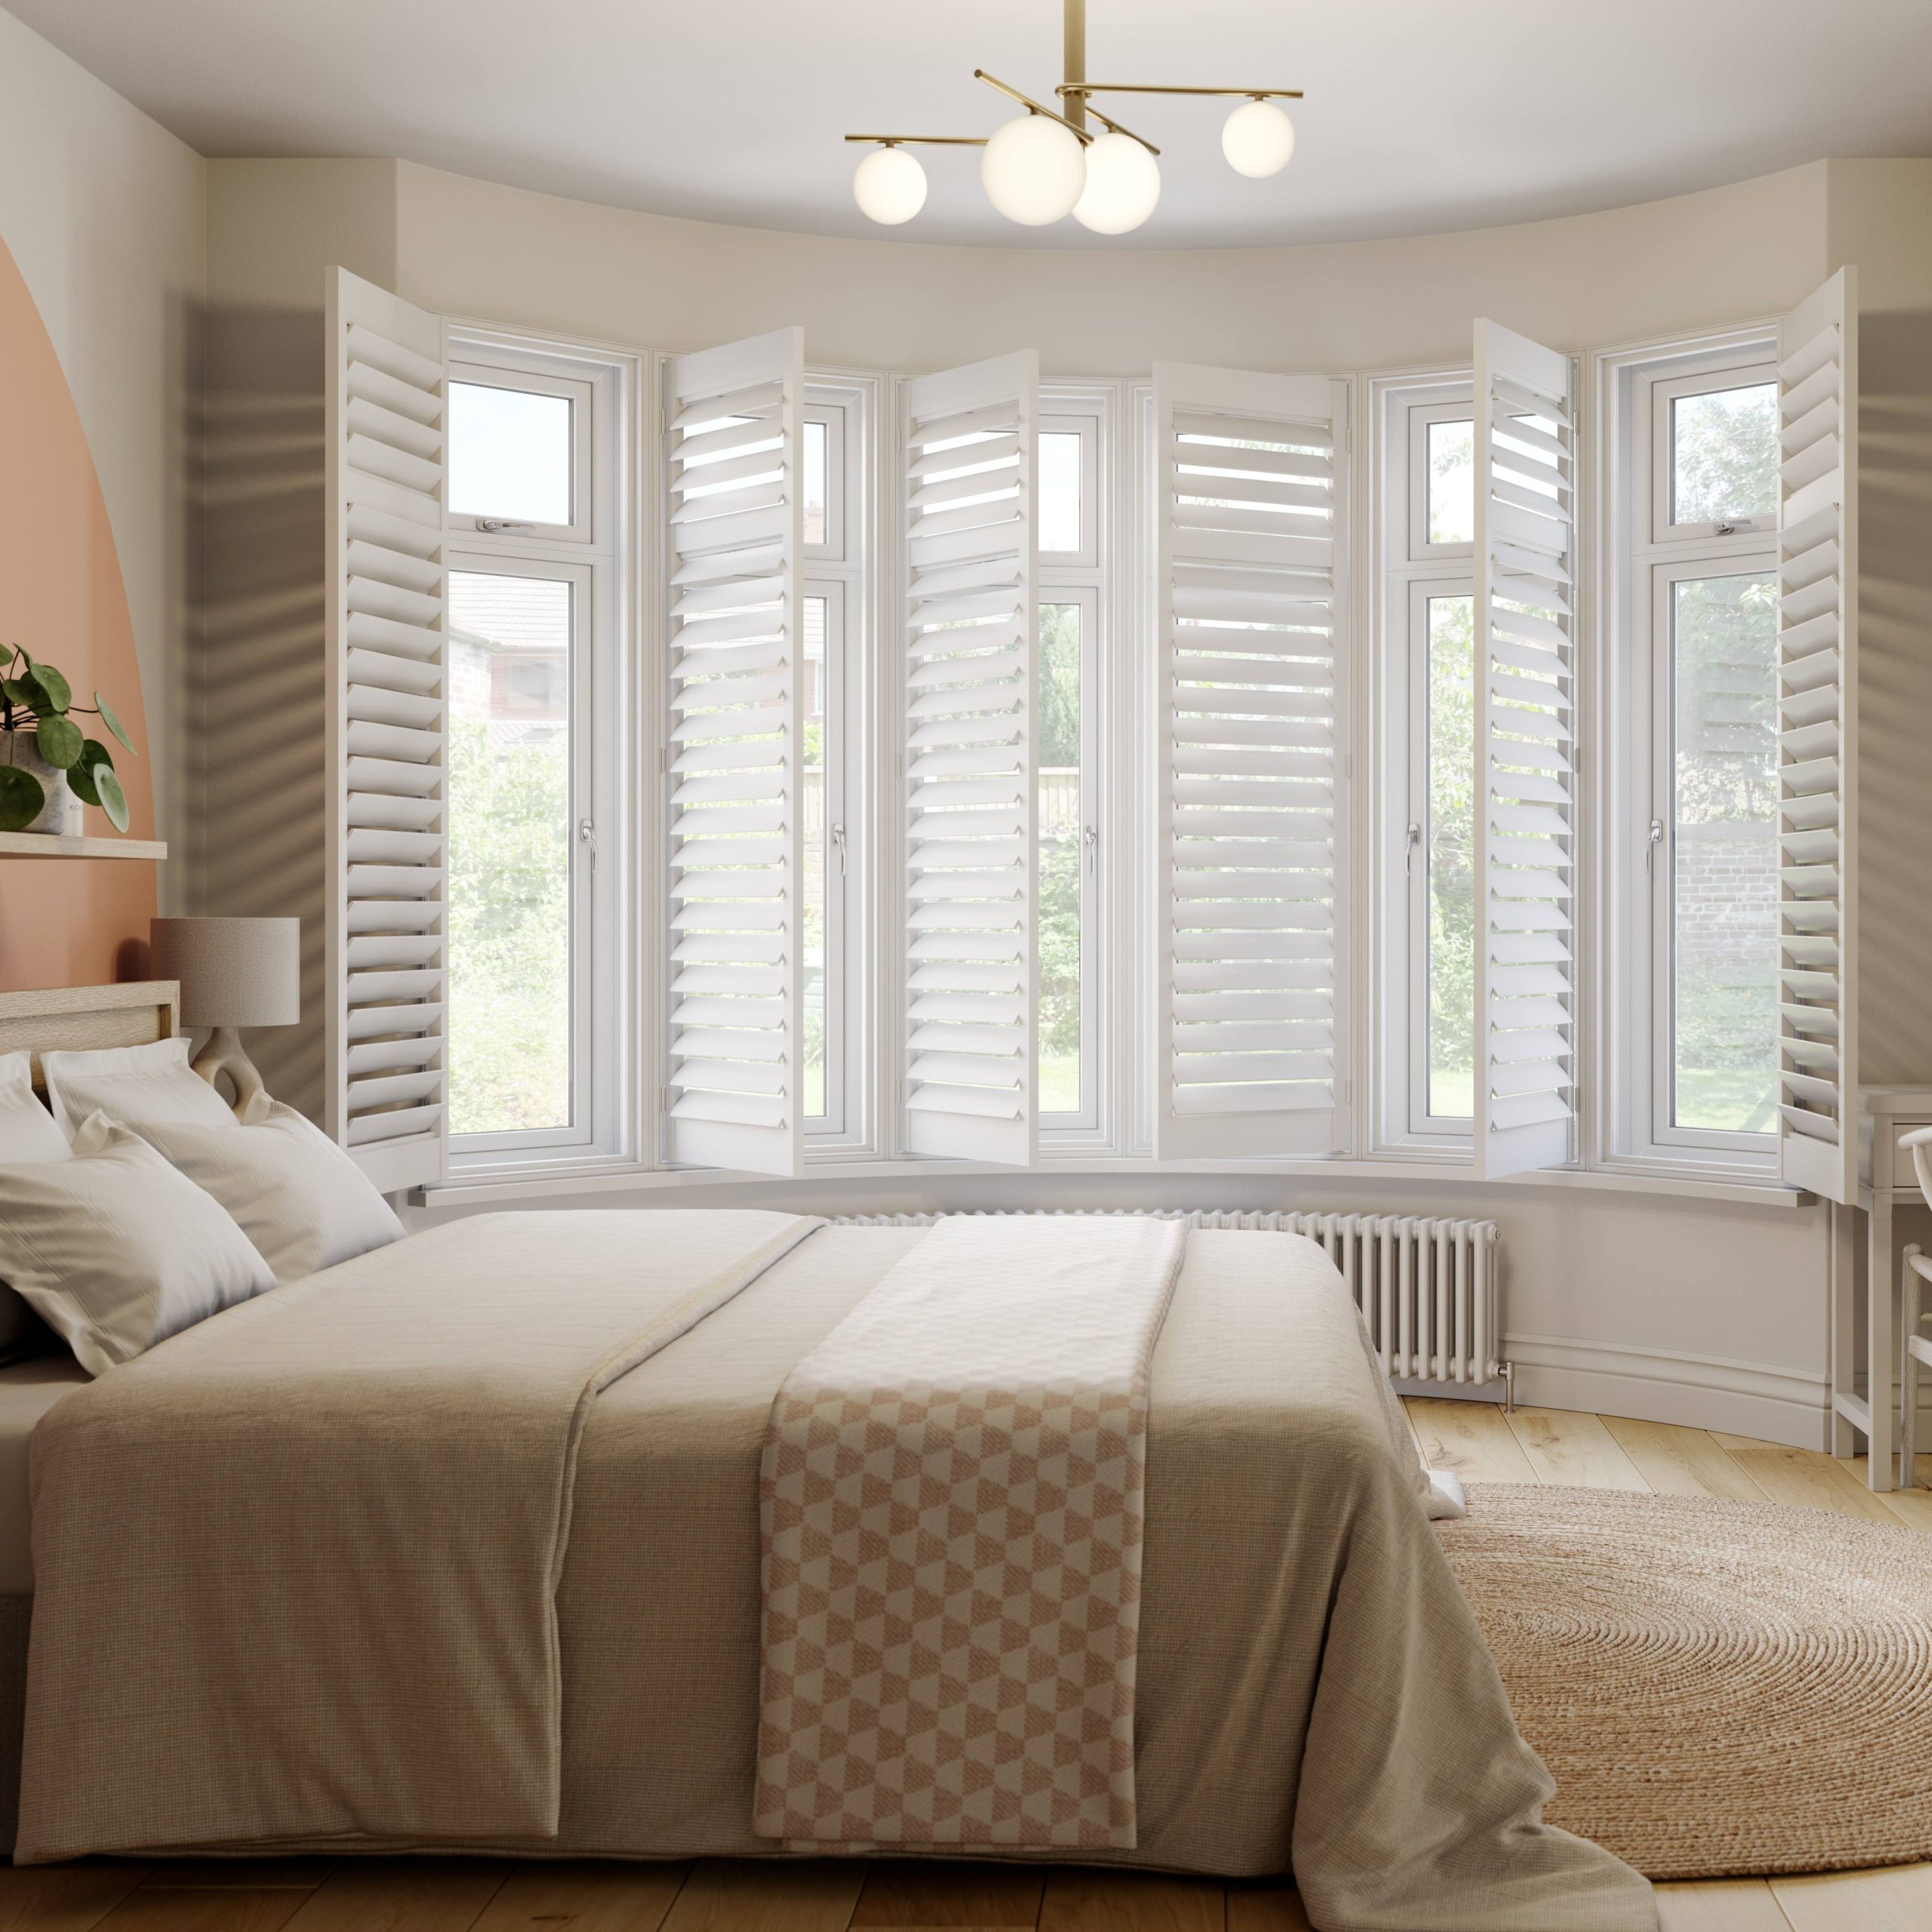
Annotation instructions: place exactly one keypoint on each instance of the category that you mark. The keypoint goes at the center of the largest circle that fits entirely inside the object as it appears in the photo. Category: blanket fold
(953, 1505)
(297, 1568)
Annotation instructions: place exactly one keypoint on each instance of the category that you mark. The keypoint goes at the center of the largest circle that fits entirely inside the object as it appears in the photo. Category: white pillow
(134, 1085)
(302, 1202)
(27, 1132)
(115, 1250)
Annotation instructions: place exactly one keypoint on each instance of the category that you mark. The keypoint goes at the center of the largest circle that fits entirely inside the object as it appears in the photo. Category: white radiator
(1428, 1290)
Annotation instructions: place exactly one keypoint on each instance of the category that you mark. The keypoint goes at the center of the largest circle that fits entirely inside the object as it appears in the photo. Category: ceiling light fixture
(1046, 163)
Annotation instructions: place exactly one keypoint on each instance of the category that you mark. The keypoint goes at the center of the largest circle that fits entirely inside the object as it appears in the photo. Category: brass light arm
(922, 140)
(1068, 87)
(1033, 107)
(1115, 128)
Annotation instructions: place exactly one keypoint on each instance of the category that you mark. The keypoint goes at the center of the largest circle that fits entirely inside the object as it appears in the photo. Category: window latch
(586, 835)
(1651, 845)
(1410, 840)
(839, 846)
(494, 524)
(1090, 842)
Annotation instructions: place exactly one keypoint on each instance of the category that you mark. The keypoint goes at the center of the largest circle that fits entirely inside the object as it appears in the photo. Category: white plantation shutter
(386, 994)
(1817, 660)
(1526, 804)
(1249, 505)
(971, 761)
(734, 509)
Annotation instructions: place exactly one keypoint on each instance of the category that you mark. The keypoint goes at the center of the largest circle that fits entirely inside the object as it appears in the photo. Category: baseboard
(1762, 1400)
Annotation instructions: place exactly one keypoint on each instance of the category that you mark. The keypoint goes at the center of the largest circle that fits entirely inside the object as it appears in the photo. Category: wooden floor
(484, 1895)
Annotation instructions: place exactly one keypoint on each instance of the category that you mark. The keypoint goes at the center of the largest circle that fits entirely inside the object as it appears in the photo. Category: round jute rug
(1717, 1688)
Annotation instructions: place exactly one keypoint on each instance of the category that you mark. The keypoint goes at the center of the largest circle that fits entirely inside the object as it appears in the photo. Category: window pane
(814, 770)
(509, 453)
(1724, 454)
(815, 460)
(1061, 875)
(1450, 839)
(1724, 853)
(1059, 490)
(509, 837)
(1452, 483)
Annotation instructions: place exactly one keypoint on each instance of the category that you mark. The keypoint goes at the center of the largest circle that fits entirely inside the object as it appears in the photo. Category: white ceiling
(1421, 115)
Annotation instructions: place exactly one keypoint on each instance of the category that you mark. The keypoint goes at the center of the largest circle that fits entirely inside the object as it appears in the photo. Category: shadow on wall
(1895, 696)
(257, 696)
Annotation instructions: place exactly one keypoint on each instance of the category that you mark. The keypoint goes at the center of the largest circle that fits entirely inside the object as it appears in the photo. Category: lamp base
(221, 1053)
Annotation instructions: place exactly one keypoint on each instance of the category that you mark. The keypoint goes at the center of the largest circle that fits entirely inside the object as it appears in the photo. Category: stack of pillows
(141, 1205)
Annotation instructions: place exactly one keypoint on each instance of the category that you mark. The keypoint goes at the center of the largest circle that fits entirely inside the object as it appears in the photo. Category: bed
(458, 1545)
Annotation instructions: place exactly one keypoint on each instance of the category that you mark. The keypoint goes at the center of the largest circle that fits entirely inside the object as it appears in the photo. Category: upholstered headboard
(66, 1018)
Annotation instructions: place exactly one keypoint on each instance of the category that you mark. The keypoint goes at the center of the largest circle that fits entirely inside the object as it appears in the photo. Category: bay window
(1692, 690)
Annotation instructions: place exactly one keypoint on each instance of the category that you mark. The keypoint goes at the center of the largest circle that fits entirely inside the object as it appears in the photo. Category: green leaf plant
(35, 697)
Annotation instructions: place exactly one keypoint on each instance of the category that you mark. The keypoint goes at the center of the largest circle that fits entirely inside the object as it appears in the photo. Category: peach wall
(65, 921)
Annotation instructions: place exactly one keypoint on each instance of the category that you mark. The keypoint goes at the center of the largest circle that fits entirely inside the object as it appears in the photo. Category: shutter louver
(971, 761)
(734, 520)
(1249, 506)
(1526, 823)
(1817, 659)
(385, 1022)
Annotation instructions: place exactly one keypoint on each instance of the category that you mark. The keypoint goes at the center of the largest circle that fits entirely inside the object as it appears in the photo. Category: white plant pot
(60, 816)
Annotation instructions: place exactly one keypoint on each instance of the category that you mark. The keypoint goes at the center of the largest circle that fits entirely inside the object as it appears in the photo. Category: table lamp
(234, 973)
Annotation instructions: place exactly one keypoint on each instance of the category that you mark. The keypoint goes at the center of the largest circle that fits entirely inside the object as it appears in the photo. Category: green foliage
(35, 697)
(1724, 454)
(1059, 684)
(1450, 837)
(509, 931)
(59, 741)
(21, 798)
(1059, 945)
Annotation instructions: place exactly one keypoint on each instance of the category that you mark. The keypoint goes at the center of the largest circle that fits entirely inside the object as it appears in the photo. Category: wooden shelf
(48, 845)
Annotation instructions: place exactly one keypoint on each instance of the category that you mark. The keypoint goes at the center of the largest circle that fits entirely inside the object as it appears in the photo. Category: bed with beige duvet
(459, 1545)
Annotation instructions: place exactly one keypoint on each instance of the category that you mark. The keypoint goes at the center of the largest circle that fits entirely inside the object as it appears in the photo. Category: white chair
(1915, 1272)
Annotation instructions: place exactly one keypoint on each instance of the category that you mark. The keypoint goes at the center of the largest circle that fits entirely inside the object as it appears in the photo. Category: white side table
(1883, 1181)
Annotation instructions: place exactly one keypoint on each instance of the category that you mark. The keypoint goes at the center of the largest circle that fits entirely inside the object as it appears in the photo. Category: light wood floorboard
(590, 1896)
(1577, 1450)
(1472, 1438)
(1899, 1900)
(1682, 1462)
(1726, 1904)
(492, 1895)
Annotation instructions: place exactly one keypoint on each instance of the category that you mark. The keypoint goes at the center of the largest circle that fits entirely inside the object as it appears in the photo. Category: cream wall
(471, 248)
(1685, 1310)
(104, 212)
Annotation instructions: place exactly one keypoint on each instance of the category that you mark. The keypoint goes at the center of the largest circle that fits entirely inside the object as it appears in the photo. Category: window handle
(1411, 839)
(586, 834)
(493, 524)
(1651, 848)
(839, 846)
(1090, 842)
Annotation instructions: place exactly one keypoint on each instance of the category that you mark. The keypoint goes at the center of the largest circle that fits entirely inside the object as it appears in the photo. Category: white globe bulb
(889, 185)
(1123, 184)
(1033, 171)
(1258, 139)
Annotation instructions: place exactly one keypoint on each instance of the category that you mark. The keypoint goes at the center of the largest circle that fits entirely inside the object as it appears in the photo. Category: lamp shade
(233, 972)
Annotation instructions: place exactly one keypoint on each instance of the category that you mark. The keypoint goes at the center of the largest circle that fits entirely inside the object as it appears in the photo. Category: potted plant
(49, 767)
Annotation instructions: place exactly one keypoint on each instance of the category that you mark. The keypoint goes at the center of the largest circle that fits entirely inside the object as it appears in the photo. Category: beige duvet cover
(262, 1624)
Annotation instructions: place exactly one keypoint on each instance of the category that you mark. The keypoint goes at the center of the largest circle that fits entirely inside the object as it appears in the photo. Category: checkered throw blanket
(952, 1501)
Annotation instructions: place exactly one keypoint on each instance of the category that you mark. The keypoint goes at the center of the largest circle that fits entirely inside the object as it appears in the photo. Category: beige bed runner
(953, 1505)
(297, 1568)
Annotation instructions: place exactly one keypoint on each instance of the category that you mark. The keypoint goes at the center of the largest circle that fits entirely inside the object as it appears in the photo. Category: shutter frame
(386, 1034)
(1287, 1030)
(725, 1110)
(970, 1086)
(1818, 1138)
(1525, 1115)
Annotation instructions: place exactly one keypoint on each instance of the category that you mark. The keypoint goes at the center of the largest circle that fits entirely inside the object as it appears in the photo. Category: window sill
(481, 1190)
